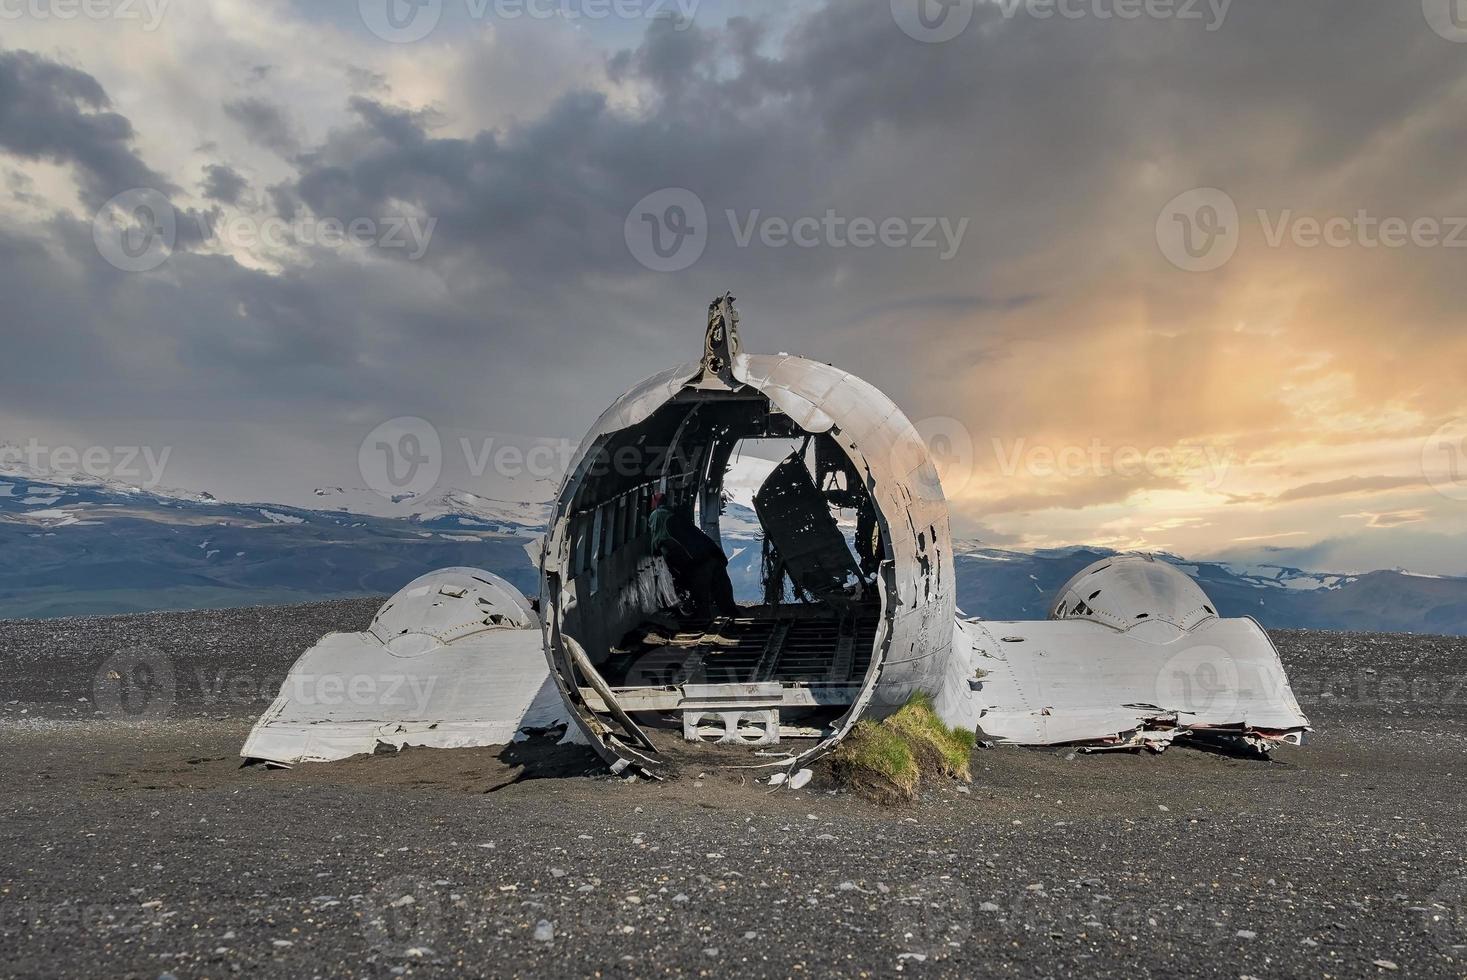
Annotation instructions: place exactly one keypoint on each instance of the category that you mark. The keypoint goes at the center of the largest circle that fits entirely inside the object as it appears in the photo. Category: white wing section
(453, 660)
(1078, 681)
(1133, 655)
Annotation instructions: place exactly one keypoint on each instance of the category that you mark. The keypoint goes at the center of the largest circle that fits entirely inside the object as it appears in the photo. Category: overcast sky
(1167, 275)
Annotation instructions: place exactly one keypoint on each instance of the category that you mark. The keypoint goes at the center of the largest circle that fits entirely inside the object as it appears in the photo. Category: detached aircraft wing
(1111, 675)
(454, 659)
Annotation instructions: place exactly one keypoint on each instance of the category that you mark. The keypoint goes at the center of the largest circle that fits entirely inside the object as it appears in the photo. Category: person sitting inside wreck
(698, 565)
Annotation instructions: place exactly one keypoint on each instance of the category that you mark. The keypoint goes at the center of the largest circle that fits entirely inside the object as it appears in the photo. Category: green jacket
(658, 523)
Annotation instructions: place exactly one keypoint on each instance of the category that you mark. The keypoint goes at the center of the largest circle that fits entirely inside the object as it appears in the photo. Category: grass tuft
(887, 759)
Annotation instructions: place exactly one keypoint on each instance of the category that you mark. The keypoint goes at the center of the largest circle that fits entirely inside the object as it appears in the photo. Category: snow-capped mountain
(85, 546)
(78, 545)
(19, 468)
(454, 508)
(999, 584)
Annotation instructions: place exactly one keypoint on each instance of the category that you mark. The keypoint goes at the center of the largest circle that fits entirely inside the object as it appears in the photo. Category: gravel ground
(140, 848)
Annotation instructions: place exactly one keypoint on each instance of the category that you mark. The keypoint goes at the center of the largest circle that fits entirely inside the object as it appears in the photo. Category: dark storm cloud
(366, 80)
(21, 187)
(223, 184)
(1026, 126)
(210, 341)
(285, 200)
(1059, 140)
(53, 112)
(265, 123)
(1041, 112)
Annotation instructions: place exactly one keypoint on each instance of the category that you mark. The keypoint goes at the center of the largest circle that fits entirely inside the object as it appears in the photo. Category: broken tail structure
(1134, 655)
(721, 341)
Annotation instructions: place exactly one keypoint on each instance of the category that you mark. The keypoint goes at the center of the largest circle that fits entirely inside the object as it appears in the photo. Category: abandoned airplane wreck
(875, 615)
(626, 649)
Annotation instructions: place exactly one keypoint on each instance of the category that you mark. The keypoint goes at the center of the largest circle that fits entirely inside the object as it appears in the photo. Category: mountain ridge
(92, 546)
